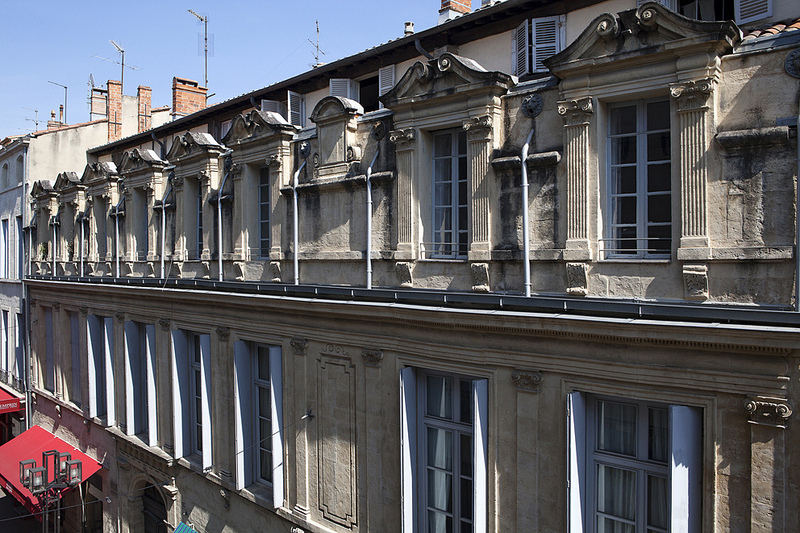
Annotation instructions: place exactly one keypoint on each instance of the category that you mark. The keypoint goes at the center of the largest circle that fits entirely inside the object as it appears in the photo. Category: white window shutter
(521, 45)
(205, 400)
(93, 344)
(150, 361)
(686, 468)
(344, 87)
(751, 10)
(271, 105)
(132, 365)
(385, 79)
(546, 40)
(296, 108)
(480, 409)
(576, 467)
(408, 439)
(276, 390)
(180, 394)
(243, 409)
(108, 347)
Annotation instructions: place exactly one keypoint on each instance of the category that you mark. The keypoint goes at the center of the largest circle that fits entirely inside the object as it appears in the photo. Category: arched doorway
(155, 512)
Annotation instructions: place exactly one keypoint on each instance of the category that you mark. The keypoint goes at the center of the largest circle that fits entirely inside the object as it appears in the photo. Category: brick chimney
(187, 97)
(454, 8)
(99, 104)
(114, 110)
(53, 124)
(143, 96)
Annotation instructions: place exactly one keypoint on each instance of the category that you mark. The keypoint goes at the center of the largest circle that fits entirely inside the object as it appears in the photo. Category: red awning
(9, 403)
(30, 445)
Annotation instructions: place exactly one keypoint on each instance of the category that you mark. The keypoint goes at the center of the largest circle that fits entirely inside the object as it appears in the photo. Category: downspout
(526, 244)
(228, 163)
(369, 217)
(295, 222)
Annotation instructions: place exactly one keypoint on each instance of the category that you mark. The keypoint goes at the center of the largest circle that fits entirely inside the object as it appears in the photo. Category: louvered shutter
(547, 40)
(296, 109)
(751, 10)
(271, 105)
(669, 4)
(344, 87)
(521, 50)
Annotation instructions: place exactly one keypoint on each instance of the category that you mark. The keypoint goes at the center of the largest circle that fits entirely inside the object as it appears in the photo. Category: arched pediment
(137, 159)
(191, 143)
(65, 180)
(98, 171)
(256, 124)
(41, 188)
(635, 33)
(441, 76)
(335, 106)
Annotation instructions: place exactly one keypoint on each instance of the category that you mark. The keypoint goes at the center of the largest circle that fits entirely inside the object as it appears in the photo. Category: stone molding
(527, 380)
(404, 274)
(576, 112)
(479, 128)
(480, 277)
(695, 281)
(766, 411)
(372, 357)
(577, 279)
(299, 346)
(692, 95)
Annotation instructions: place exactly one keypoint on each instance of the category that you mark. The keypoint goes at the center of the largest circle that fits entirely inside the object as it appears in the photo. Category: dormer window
(535, 40)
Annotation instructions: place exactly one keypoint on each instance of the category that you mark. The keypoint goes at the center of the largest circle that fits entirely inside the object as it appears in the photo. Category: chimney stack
(114, 112)
(409, 28)
(187, 97)
(453, 8)
(53, 124)
(143, 96)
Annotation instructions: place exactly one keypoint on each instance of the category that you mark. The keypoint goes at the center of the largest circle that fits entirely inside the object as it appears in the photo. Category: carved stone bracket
(275, 272)
(576, 112)
(577, 279)
(479, 128)
(526, 380)
(274, 162)
(767, 411)
(165, 323)
(404, 139)
(83, 311)
(223, 332)
(372, 357)
(119, 316)
(239, 271)
(480, 277)
(299, 346)
(692, 95)
(695, 281)
(403, 271)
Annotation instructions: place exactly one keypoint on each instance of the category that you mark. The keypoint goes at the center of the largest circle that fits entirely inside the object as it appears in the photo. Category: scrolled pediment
(98, 171)
(634, 33)
(65, 180)
(332, 107)
(41, 188)
(441, 76)
(191, 143)
(255, 124)
(136, 159)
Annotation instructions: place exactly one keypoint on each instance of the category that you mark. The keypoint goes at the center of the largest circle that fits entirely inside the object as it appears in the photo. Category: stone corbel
(404, 275)
(695, 280)
(176, 270)
(223, 333)
(165, 323)
(273, 163)
(527, 380)
(275, 272)
(577, 279)
(238, 271)
(576, 112)
(205, 270)
(480, 277)
(767, 411)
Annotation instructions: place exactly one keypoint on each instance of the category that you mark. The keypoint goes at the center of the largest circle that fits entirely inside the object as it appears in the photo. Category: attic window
(535, 40)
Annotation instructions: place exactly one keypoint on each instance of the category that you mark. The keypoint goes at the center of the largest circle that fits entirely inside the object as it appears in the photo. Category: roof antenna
(317, 49)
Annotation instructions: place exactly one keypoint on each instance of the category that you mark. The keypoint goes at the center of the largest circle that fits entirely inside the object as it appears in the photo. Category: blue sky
(255, 44)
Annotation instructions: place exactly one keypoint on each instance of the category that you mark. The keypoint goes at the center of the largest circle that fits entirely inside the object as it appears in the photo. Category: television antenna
(65, 98)
(317, 50)
(204, 20)
(121, 62)
(35, 120)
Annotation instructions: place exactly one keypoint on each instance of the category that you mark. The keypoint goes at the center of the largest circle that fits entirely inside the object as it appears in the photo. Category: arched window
(4, 176)
(20, 170)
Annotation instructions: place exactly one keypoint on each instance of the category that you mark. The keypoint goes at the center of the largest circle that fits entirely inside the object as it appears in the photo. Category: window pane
(265, 465)
(440, 495)
(442, 145)
(439, 523)
(658, 208)
(466, 455)
(440, 448)
(623, 120)
(658, 177)
(263, 402)
(440, 397)
(443, 169)
(626, 210)
(626, 240)
(658, 115)
(658, 146)
(623, 180)
(466, 499)
(616, 492)
(657, 502)
(263, 363)
(659, 239)
(616, 427)
(623, 150)
(466, 401)
(607, 525)
(658, 436)
(462, 142)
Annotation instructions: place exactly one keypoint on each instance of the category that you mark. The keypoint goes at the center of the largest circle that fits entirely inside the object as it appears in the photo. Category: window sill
(637, 260)
(259, 494)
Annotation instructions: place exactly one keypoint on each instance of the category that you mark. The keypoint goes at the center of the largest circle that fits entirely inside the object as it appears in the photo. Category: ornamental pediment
(442, 76)
(256, 124)
(137, 160)
(191, 144)
(66, 180)
(639, 34)
(98, 171)
(333, 107)
(41, 188)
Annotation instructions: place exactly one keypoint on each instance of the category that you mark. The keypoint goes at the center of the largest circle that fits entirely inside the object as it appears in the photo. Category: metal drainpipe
(295, 222)
(369, 217)
(228, 161)
(526, 245)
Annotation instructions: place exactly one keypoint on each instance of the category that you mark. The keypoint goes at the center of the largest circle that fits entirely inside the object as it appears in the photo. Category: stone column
(527, 384)
(299, 499)
(241, 175)
(153, 244)
(223, 441)
(404, 141)
(209, 228)
(577, 114)
(479, 135)
(768, 478)
(693, 106)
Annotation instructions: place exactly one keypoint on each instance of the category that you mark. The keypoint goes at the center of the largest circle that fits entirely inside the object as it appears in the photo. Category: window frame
(459, 213)
(611, 248)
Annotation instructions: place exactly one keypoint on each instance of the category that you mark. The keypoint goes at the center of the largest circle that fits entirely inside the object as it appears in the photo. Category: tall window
(263, 213)
(20, 249)
(639, 180)
(5, 364)
(19, 365)
(4, 176)
(444, 452)
(4, 250)
(263, 412)
(20, 169)
(196, 395)
(191, 393)
(98, 330)
(450, 194)
(635, 466)
(140, 400)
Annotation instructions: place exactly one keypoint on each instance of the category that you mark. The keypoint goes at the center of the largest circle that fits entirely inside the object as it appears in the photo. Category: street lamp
(58, 472)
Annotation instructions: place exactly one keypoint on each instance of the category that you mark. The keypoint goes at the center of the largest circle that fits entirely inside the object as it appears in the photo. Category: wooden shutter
(271, 105)
(408, 449)
(344, 87)
(296, 109)
(385, 80)
(480, 428)
(751, 10)
(576, 461)
(243, 410)
(276, 392)
(547, 40)
(686, 467)
(521, 47)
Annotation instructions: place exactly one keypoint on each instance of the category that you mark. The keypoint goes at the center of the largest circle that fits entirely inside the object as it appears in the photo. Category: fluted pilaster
(577, 114)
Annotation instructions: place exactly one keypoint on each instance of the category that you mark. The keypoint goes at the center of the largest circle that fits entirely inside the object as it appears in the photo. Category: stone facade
(365, 275)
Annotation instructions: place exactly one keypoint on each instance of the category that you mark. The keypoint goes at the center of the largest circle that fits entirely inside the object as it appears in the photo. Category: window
(4, 176)
(450, 194)
(444, 423)
(259, 417)
(534, 41)
(100, 341)
(140, 387)
(368, 94)
(634, 466)
(19, 367)
(639, 221)
(263, 213)
(4, 251)
(742, 11)
(344, 87)
(191, 393)
(296, 105)
(20, 170)
(5, 364)
(20, 251)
